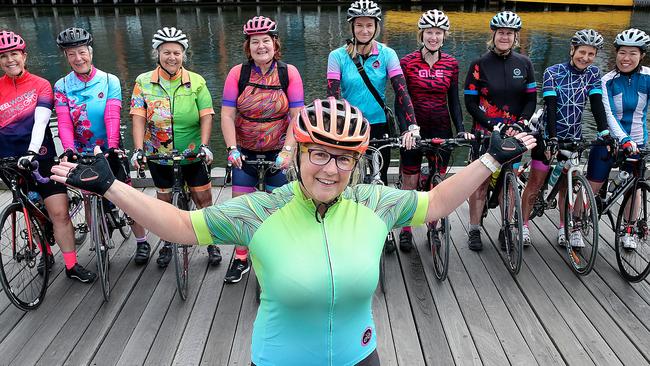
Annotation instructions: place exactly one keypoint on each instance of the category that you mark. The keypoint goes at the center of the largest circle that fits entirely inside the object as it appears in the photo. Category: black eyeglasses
(345, 162)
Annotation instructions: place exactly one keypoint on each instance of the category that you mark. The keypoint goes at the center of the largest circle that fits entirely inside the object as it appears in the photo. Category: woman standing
(260, 97)
(499, 88)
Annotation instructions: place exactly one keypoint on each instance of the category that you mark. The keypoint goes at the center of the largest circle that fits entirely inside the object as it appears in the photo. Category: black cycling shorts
(120, 168)
(50, 188)
(194, 174)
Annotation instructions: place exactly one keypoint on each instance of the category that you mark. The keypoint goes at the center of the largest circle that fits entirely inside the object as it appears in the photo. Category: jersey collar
(159, 73)
(84, 78)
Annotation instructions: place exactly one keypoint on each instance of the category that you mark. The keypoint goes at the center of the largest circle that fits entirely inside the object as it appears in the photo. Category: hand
(629, 147)
(505, 149)
(465, 135)
(551, 147)
(205, 150)
(506, 130)
(69, 155)
(96, 177)
(605, 138)
(138, 158)
(25, 162)
(410, 139)
(235, 158)
(115, 152)
(283, 160)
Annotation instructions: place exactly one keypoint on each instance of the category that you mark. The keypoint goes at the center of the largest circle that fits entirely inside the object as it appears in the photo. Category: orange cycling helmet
(319, 123)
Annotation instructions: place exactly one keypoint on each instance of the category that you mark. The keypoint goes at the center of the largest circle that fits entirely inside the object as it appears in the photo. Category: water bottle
(35, 198)
(555, 174)
(618, 180)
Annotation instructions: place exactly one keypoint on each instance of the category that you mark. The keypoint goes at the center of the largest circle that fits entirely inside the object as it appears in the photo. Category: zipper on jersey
(331, 275)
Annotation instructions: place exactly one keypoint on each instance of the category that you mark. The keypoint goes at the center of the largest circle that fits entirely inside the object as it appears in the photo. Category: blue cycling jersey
(625, 97)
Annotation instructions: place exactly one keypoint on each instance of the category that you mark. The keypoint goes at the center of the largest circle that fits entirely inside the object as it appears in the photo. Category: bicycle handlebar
(12, 162)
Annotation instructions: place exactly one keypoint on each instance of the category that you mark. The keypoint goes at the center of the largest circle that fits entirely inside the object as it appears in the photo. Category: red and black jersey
(434, 93)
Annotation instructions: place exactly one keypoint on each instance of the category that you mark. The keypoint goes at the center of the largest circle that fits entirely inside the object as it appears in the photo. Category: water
(308, 34)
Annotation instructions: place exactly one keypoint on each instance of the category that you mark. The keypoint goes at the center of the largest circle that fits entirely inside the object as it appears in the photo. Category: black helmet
(73, 37)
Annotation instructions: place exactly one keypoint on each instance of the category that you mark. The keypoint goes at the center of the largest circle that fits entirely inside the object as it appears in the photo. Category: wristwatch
(231, 148)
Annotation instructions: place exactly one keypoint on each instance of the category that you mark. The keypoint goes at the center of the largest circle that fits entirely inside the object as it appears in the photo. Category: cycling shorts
(411, 160)
(246, 177)
(195, 176)
(539, 152)
(600, 164)
(120, 168)
(50, 188)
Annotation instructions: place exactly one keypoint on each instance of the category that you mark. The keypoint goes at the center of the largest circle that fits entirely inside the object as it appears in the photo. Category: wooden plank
(240, 353)
(497, 336)
(433, 340)
(385, 341)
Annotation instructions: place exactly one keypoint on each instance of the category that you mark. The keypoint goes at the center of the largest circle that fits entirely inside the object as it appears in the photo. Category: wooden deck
(480, 315)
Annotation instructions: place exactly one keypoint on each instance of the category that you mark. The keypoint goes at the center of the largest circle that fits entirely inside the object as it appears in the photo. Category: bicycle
(27, 233)
(181, 198)
(581, 214)
(438, 234)
(634, 263)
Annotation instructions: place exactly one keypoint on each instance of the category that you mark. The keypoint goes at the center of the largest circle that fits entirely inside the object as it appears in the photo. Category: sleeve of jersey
(112, 111)
(595, 85)
(232, 222)
(393, 67)
(231, 88)
(453, 99)
(295, 92)
(333, 66)
(63, 119)
(548, 87)
(614, 125)
(203, 99)
(138, 104)
(396, 207)
(531, 90)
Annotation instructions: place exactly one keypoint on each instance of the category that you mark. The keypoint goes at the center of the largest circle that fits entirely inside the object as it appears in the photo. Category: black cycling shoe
(474, 240)
(406, 241)
(164, 256)
(214, 255)
(142, 251)
(79, 273)
(389, 244)
(41, 264)
(236, 271)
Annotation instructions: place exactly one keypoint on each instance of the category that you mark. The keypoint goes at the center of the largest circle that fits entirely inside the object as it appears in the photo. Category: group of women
(316, 242)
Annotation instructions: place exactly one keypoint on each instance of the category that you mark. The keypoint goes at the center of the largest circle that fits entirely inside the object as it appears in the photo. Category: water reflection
(308, 34)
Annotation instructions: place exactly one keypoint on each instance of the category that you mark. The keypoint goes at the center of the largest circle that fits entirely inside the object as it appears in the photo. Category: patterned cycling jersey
(172, 108)
(503, 84)
(625, 97)
(572, 88)
(380, 66)
(317, 311)
(19, 98)
(262, 114)
(86, 103)
(428, 87)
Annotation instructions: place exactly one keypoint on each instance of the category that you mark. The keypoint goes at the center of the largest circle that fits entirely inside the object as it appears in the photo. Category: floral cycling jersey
(172, 108)
(625, 97)
(262, 114)
(500, 89)
(322, 315)
(19, 98)
(88, 110)
(572, 88)
(434, 93)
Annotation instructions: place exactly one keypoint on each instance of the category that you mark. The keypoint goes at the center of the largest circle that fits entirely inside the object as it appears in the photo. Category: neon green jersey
(317, 275)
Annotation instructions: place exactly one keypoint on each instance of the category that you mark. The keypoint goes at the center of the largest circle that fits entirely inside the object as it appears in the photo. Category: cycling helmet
(260, 25)
(73, 37)
(633, 37)
(318, 123)
(434, 19)
(364, 8)
(10, 41)
(587, 37)
(172, 34)
(506, 19)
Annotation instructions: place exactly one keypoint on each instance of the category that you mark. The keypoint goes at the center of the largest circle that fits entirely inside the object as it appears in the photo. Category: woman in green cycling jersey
(318, 310)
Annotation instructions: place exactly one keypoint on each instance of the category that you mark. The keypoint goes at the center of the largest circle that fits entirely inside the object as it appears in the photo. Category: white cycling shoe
(629, 242)
(561, 238)
(526, 234)
(575, 239)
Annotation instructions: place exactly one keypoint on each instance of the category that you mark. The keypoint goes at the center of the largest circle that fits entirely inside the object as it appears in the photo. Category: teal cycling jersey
(317, 275)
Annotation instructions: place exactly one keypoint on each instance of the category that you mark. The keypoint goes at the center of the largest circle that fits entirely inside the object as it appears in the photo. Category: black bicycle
(27, 233)
(182, 199)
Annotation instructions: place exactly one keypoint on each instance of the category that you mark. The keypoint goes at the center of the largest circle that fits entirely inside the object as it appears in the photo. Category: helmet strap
(169, 74)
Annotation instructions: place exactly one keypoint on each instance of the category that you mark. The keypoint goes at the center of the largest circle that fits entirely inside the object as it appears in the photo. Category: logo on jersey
(367, 336)
(516, 74)
(42, 150)
(431, 74)
(375, 64)
(100, 95)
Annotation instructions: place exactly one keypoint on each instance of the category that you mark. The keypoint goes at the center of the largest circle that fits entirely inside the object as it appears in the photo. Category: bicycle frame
(638, 176)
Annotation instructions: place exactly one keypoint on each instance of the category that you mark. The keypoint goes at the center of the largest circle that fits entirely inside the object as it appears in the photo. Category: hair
(277, 47)
(155, 54)
(490, 41)
(420, 36)
(90, 50)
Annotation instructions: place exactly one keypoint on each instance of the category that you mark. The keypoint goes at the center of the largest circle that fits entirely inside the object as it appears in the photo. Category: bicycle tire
(181, 252)
(77, 216)
(19, 276)
(582, 260)
(634, 264)
(512, 222)
(101, 237)
(123, 222)
(441, 229)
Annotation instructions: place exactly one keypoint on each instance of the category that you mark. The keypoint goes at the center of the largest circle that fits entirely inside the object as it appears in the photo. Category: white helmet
(506, 19)
(587, 37)
(434, 19)
(169, 35)
(633, 37)
(364, 8)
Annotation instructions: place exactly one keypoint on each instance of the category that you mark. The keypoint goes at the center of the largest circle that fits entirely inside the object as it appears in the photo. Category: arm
(472, 99)
(598, 110)
(333, 76)
(453, 101)
(63, 119)
(404, 106)
(228, 130)
(614, 125)
(138, 115)
(206, 128)
(550, 102)
(531, 94)
(41, 121)
(112, 112)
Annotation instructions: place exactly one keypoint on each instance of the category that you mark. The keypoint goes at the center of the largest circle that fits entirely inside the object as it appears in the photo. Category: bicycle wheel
(512, 222)
(20, 252)
(438, 237)
(634, 263)
(122, 222)
(77, 215)
(581, 224)
(181, 253)
(101, 237)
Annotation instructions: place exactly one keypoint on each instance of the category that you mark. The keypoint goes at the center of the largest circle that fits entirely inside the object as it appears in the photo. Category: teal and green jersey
(317, 275)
